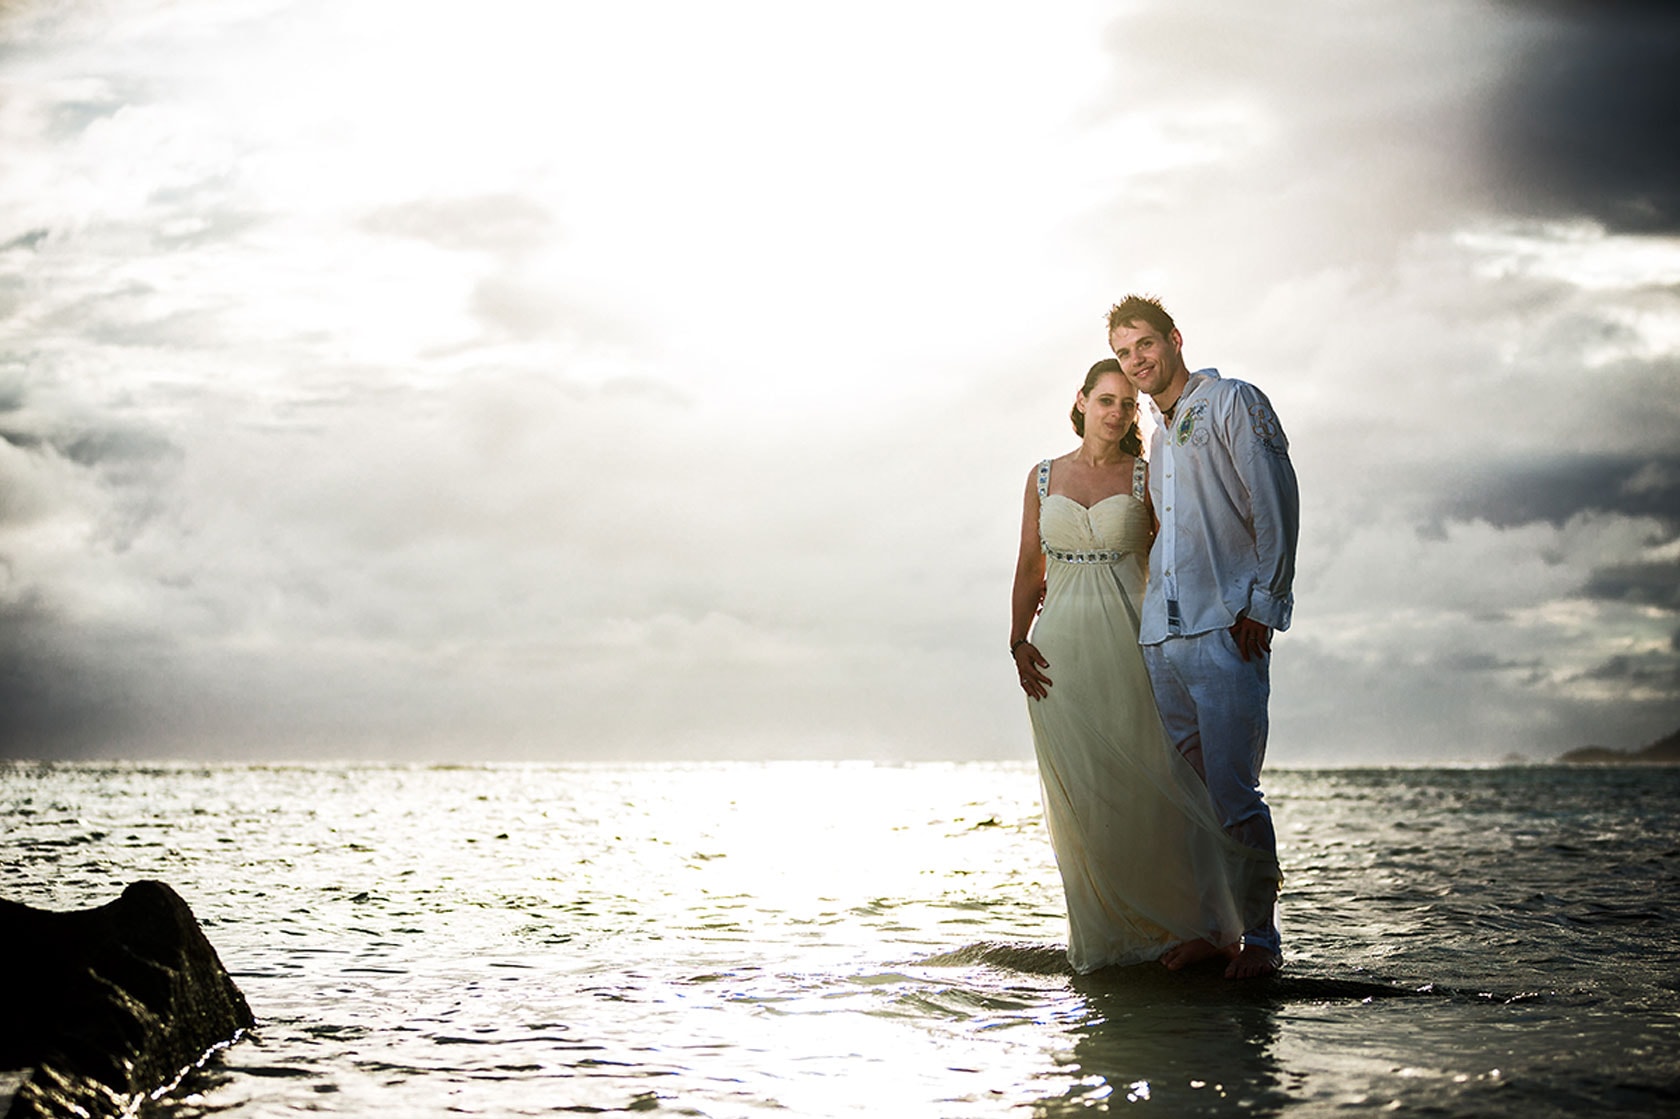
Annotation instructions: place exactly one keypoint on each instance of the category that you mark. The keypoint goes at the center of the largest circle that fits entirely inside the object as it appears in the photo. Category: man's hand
(1253, 639)
(1028, 662)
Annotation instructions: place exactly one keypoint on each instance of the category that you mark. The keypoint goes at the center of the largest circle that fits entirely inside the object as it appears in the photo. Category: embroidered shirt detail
(1267, 429)
(1190, 427)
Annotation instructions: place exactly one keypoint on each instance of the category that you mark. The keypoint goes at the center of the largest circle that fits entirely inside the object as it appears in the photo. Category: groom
(1220, 576)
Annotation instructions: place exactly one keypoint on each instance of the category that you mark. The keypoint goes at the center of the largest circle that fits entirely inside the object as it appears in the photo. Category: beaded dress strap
(1140, 478)
(1043, 492)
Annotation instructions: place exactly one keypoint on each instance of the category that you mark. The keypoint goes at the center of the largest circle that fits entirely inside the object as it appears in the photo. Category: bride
(1145, 866)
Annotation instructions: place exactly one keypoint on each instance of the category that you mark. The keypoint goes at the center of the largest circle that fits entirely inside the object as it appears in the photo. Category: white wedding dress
(1144, 862)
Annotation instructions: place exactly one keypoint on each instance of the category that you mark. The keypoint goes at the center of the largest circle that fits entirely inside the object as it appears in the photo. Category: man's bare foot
(1253, 962)
(1181, 956)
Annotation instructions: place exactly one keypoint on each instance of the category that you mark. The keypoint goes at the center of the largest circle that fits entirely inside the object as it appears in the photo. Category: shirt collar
(1196, 381)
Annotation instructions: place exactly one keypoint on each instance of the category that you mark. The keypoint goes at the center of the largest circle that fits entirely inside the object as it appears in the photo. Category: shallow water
(841, 939)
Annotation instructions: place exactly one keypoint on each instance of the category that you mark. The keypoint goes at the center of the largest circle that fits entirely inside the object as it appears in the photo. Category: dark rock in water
(111, 1004)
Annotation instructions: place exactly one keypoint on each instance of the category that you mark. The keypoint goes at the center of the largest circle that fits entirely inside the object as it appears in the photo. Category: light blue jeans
(1213, 704)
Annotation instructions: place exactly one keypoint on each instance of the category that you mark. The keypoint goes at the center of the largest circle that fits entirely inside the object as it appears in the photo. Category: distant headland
(1664, 751)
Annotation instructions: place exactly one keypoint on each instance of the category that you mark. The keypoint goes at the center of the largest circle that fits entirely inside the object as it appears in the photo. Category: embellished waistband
(1086, 557)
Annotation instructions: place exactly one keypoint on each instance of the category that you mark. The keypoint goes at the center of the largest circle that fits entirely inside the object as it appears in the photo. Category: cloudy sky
(658, 379)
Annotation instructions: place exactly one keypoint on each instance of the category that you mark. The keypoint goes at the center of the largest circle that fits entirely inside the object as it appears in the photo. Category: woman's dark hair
(1131, 442)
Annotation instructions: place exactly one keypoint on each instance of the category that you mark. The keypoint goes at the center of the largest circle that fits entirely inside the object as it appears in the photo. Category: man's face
(1149, 361)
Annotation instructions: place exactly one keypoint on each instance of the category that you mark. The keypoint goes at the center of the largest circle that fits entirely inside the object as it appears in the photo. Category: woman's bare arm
(1027, 595)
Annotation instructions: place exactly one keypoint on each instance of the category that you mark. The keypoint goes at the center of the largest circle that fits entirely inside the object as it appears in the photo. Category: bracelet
(1014, 645)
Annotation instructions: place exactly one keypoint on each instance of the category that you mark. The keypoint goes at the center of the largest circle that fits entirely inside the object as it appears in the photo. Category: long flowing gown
(1143, 859)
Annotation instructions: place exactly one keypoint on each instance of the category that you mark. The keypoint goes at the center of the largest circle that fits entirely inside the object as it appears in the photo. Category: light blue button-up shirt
(1225, 493)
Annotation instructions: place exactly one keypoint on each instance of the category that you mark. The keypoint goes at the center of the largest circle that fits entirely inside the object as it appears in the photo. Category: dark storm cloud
(1655, 672)
(1627, 668)
(1589, 125)
(119, 449)
(53, 702)
(120, 452)
(1557, 489)
(1463, 660)
(124, 467)
(23, 439)
(1644, 584)
(30, 240)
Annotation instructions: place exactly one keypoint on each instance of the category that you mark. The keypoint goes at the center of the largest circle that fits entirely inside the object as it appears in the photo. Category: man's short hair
(1144, 309)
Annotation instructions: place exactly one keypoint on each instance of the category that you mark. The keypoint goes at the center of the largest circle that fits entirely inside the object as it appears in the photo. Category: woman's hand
(1028, 662)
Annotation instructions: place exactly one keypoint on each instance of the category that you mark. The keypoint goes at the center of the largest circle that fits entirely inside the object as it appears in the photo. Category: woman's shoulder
(1038, 477)
(1051, 463)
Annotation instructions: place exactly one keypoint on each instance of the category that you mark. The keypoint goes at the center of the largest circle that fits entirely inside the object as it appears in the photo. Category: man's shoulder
(1231, 397)
(1216, 387)
(1225, 410)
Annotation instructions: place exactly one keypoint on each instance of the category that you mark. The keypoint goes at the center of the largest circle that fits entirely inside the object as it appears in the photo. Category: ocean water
(814, 939)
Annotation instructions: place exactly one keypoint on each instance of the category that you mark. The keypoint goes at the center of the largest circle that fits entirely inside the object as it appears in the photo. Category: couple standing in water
(1156, 584)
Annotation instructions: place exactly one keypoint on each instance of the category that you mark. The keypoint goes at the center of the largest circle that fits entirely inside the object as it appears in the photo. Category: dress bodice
(1117, 525)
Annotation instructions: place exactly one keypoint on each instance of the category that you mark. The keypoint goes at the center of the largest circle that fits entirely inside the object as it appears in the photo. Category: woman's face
(1110, 408)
